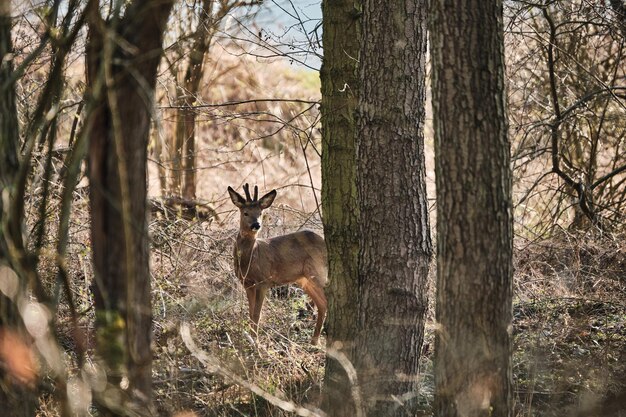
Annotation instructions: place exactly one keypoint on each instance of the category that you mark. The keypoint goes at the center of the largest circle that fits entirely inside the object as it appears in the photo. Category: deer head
(251, 209)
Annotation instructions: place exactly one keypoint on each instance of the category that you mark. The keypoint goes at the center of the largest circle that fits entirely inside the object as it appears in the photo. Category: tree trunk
(189, 161)
(340, 86)
(9, 129)
(185, 141)
(117, 173)
(17, 398)
(395, 244)
(620, 10)
(474, 215)
(184, 175)
(9, 133)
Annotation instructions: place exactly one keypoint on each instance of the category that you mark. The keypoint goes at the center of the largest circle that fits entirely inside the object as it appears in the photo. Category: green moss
(110, 325)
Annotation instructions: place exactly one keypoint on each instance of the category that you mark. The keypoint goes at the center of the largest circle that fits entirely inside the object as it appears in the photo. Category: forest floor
(569, 327)
(569, 324)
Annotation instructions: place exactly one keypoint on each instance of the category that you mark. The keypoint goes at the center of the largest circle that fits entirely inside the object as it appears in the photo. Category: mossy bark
(340, 90)
(474, 211)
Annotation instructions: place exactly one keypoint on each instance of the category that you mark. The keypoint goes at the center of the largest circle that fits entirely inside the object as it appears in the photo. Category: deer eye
(245, 214)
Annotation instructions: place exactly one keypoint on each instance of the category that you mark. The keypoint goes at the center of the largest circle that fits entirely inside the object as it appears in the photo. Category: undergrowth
(569, 328)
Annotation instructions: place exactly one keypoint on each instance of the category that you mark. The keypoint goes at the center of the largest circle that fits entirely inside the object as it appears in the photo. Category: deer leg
(319, 299)
(322, 306)
(255, 311)
(251, 293)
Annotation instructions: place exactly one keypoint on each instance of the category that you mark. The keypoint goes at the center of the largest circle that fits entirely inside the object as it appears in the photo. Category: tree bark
(9, 132)
(185, 141)
(395, 245)
(340, 87)
(16, 397)
(474, 210)
(122, 80)
(193, 76)
(619, 8)
(9, 128)
(184, 177)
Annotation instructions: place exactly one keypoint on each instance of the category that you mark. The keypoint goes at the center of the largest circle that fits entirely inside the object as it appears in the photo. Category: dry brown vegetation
(257, 122)
(263, 143)
(570, 289)
(570, 307)
(570, 324)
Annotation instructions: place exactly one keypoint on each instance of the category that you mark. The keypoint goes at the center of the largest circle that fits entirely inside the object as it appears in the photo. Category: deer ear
(236, 198)
(267, 199)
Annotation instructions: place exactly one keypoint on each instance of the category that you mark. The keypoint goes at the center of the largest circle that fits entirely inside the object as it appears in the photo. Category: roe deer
(260, 264)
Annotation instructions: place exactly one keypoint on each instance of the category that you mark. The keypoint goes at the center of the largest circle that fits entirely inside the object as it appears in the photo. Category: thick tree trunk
(395, 244)
(17, 398)
(340, 87)
(474, 216)
(9, 132)
(117, 174)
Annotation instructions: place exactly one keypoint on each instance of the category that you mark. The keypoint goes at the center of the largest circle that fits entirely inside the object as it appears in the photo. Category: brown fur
(260, 264)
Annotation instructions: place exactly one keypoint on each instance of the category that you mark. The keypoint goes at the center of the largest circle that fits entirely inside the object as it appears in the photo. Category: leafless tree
(123, 53)
(566, 88)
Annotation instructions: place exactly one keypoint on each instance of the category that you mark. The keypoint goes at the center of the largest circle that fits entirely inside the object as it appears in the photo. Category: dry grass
(569, 323)
(570, 306)
(195, 284)
(262, 143)
(569, 327)
(269, 143)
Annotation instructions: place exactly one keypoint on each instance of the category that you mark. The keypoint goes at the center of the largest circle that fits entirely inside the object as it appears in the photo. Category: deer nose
(255, 226)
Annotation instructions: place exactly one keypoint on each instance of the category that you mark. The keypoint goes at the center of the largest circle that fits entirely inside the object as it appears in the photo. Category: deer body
(260, 264)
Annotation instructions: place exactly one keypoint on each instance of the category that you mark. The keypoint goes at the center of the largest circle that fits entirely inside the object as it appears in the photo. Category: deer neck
(244, 252)
(245, 245)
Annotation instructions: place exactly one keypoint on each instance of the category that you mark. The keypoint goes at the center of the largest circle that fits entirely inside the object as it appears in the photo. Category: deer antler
(256, 193)
(246, 188)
